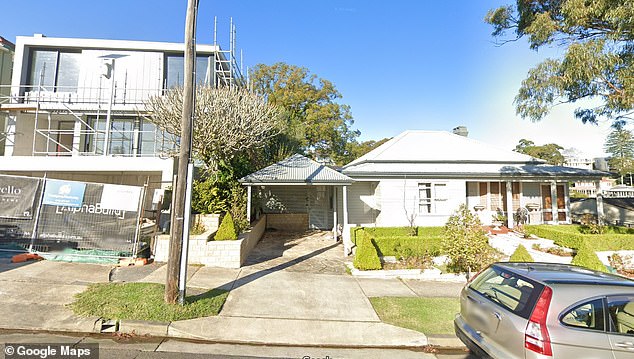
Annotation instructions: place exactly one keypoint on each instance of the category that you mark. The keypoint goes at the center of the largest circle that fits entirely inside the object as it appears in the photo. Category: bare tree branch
(226, 121)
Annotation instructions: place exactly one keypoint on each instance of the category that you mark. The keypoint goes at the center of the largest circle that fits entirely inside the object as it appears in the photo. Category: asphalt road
(141, 348)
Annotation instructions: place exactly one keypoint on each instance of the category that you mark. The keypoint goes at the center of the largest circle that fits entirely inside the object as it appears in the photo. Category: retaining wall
(226, 254)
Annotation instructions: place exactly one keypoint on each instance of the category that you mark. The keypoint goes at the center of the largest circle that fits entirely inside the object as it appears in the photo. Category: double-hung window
(432, 198)
(424, 198)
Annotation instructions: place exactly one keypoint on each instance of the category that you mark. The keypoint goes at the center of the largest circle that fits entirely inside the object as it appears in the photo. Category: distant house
(420, 177)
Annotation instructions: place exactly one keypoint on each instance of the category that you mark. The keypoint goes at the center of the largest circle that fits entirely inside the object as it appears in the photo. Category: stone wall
(226, 254)
(290, 222)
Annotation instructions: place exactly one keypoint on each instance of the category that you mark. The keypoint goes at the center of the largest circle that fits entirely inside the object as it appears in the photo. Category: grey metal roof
(439, 154)
(296, 169)
(439, 146)
(470, 170)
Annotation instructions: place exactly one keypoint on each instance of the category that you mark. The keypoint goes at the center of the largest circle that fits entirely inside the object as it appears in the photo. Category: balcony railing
(101, 96)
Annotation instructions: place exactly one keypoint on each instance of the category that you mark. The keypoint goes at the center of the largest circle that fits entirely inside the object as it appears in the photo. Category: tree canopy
(550, 152)
(316, 124)
(620, 145)
(599, 39)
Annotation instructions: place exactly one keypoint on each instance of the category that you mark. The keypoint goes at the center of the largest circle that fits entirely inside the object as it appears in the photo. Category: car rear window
(508, 290)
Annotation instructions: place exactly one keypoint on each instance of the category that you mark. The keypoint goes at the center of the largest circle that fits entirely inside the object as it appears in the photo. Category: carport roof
(296, 170)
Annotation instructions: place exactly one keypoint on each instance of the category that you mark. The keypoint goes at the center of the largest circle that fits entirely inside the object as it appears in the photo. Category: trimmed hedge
(386, 239)
(227, 229)
(617, 238)
(586, 257)
(521, 255)
(419, 246)
(366, 258)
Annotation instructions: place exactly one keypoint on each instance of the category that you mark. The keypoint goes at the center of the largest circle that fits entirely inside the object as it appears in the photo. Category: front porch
(530, 202)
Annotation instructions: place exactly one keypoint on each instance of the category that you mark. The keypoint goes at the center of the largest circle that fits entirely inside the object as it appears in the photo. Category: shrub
(227, 229)
(570, 236)
(366, 258)
(521, 255)
(466, 243)
(586, 257)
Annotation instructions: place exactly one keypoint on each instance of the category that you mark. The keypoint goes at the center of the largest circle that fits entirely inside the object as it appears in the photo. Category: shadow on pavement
(253, 276)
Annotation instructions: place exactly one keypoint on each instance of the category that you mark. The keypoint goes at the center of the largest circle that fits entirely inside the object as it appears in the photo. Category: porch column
(249, 204)
(347, 241)
(334, 216)
(553, 204)
(9, 143)
(600, 215)
(345, 206)
(509, 204)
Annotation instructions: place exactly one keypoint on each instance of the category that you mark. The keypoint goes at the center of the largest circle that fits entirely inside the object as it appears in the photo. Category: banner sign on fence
(64, 193)
(17, 196)
(120, 197)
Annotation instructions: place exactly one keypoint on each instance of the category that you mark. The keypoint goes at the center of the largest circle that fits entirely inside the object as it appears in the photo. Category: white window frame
(436, 197)
(426, 200)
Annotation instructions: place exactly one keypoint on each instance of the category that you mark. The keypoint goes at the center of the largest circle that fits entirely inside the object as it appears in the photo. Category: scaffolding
(86, 121)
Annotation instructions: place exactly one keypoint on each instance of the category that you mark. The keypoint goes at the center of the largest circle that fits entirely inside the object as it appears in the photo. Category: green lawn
(144, 301)
(426, 315)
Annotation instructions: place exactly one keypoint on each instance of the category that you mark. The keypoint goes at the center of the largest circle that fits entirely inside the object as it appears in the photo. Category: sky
(400, 65)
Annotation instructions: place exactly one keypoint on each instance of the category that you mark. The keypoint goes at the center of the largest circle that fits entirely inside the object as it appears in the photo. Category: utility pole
(178, 223)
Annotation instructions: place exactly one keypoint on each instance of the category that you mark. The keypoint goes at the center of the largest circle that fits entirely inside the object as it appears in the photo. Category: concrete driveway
(298, 276)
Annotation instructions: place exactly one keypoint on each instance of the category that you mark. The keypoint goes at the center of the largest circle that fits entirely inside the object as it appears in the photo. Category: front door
(547, 204)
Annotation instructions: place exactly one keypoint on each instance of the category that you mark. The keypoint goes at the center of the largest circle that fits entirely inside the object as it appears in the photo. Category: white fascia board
(296, 183)
(60, 42)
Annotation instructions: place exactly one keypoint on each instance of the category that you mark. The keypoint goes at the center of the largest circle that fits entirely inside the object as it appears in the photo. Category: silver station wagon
(546, 310)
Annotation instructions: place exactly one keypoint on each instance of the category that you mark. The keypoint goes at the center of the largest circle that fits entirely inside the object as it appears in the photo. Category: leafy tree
(598, 62)
(315, 123)
(358, 149)
(466, 243)
(227, 122)
(551, 152)
(620, 145)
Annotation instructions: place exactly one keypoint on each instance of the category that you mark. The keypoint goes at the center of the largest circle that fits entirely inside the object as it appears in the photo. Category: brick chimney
(461, 131)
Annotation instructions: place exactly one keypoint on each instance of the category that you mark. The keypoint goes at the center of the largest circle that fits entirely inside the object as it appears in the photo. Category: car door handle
(625, 345)
(497, 316)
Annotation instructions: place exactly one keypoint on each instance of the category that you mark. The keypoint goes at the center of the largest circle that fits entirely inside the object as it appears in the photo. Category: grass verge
(144, 301)
(426, 315)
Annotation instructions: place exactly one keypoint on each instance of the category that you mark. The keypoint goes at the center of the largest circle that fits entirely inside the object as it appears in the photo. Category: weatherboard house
(418, 178)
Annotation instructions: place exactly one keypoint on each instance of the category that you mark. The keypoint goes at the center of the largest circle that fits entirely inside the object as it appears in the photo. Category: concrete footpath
(267, 305)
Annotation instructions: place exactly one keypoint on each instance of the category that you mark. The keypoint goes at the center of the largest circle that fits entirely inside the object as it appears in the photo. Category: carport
(298, 193)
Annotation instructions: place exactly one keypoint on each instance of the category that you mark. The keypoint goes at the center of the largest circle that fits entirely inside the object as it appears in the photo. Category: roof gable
(296, 169)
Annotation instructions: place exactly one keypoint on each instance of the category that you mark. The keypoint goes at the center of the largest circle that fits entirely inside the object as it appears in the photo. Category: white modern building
(75, 107)
(576, 159)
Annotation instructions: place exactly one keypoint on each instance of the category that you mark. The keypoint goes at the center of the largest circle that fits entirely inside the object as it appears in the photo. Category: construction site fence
(71, 218)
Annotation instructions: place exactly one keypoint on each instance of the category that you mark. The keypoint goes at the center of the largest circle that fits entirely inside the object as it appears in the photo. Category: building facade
(75, 108)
